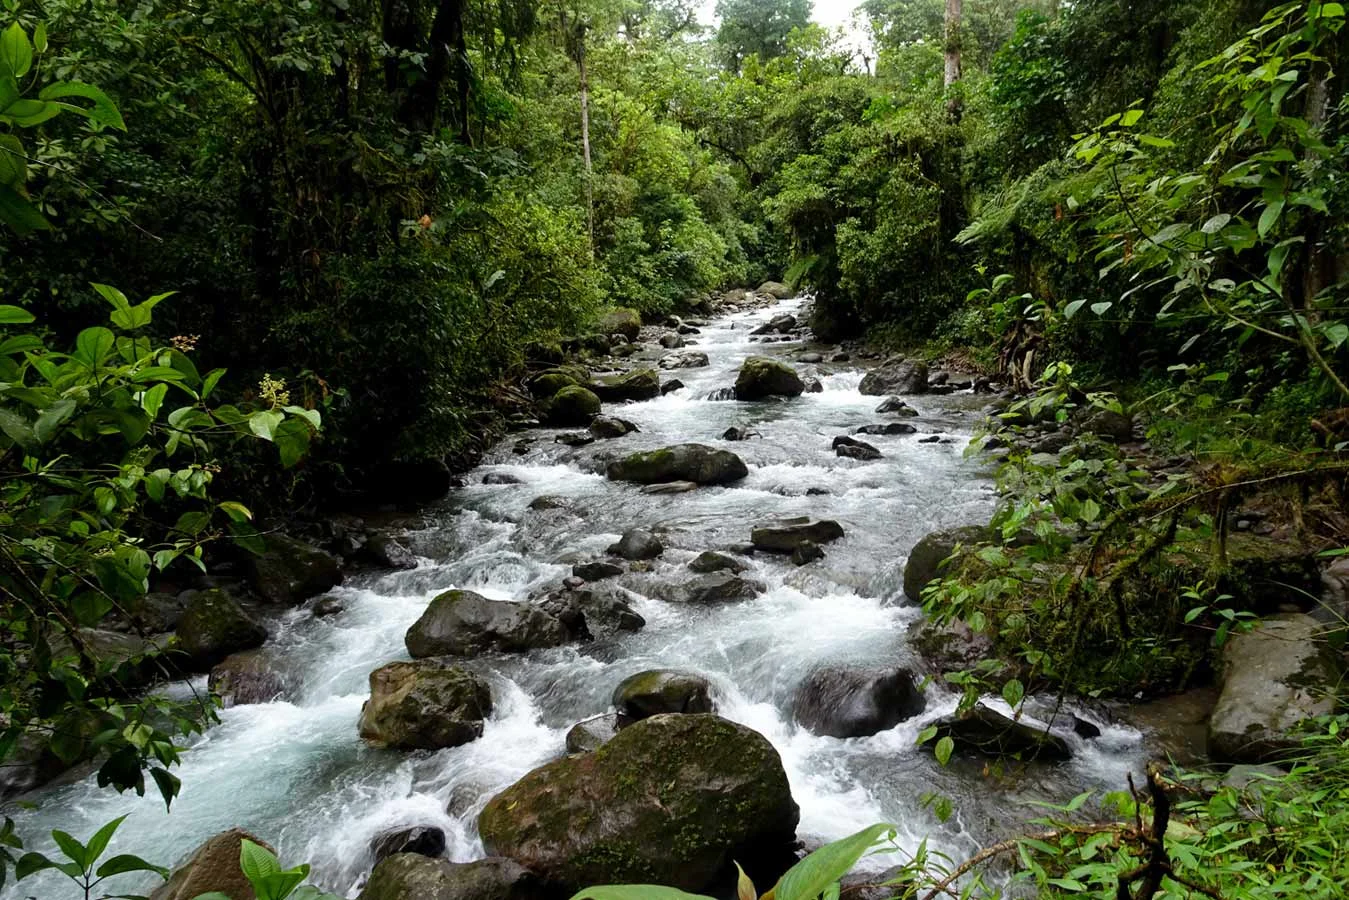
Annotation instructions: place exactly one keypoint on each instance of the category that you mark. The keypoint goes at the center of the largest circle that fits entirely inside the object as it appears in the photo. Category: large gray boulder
(426, 704)
(212, 867)
(684, 359)
(697, 463)
(761, 377)
(847, 701)
(659, 691)
(636, 544)
(928, 554)
(672, 800)
(786, 535)
(247, 677)
(412, 876)
(289, 571)
(896, 375)
(462, 623)
(213, 626)
(1274, 677)
(639, 384)
(717, 587)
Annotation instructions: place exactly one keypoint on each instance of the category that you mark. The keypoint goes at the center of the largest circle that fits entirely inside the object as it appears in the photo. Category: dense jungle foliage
(356, 221)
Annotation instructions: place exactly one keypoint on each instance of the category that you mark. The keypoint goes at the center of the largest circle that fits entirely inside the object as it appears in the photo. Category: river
(296, 774)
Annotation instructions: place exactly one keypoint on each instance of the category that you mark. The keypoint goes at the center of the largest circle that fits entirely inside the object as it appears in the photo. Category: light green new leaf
(14, 315)
(1014, 692)
(945, 747)
(92, 346)
(104, 111)
(256, 861)
(125, 862)
(810, 877)
(16, 53)
(264, 423)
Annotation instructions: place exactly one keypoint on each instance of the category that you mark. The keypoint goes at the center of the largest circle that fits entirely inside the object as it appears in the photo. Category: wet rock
(546, 502)
(639, 384)
(462, 623)
(761, 377)
(501, 478)
(928, 554)
(1084, 729)
(624, 349)
(698, 463)
(888, 428)
(247, 677)
(212, 867)
(807, 552)
(896, 375)
(157, 612)
(411, 876)
(545, 385)
(597, 570)
(840, 357)
(938, 379)
(810, 358)
(386, 551)
(591, 345)
(573, 405)
(848, 701)
(212, 627)
(684, 359)
(855, 449)
(575, 439)
(988, 732)
(592, 612)
(720, 394)
(669, 800)
(738, 433)
(424, 840)
(776, 289)
(712, 561)
(621, 320)
(670, 487)
(780, 324)
(786, 535)
(671, 341)
(718, 587)
(289, 571)
(896, 406)
(688, 329)
(426, 704)
(1108, 424)
(1052, 442)
(669, 387)
(595, 732)
(814, 386)
(950, 647)
(659, 691)
(1274, 677)
(327, 606)
(637, 543)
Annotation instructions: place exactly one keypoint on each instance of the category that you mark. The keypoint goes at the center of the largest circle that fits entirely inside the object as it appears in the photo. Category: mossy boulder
(411, 876)
(659, 691)
(289, 571)
(1273, 678)
(696, 463)
(927, 556)
(670, 800)
(895, 376)
(545, 385)
(572, 405)
(761, 377)
(621, 320)
(595, 732)
(213, 626)
(776, 289)
(639, 384)
(212, 867)
(426, 704)
(462, 623)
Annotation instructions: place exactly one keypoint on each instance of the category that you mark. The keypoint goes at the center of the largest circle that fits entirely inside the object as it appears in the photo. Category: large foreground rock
(212, 627)
(411, 876)
(1274, 677)
(247, 677)
(986, 731)
(895, 376)
(926, 557)
(212, 867)
(785, 536)
(572, 405)
(697, 463)
(424, 705)
(639, 384)
(761, 377)
(845, 701)
(661, 691)
(462, 623)
(289, 571)
(670, 800)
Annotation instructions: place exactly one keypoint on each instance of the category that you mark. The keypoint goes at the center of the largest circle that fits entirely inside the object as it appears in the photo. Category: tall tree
(758, 28)
(954, 11)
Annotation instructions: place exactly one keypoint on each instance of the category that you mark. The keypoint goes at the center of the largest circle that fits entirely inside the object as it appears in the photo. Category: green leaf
(99, 842)
(104, 111)
(1270, 217)
(264, 423)
(809, 878)
(944, 749)
(1072, 308)
(112, 295)
(73, 849)
(634, 892)
(17, 429)
(20, 216)
(1102, 308)
(153, 399)
(40, 37)
(1131, 118)
(13, 162)
(1336, 333)
(52, 418)
(14, 315)
(92, 346)
(256, 861)
(1216, 224)
(125, 862)
(16, 53)
(1014, 692)
(30, 863)
(292, 441)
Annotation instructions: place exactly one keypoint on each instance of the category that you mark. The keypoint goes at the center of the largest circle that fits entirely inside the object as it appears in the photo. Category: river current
(296, 774)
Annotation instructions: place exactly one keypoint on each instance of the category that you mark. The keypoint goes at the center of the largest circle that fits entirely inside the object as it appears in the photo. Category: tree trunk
(585, 137)
(954, 12)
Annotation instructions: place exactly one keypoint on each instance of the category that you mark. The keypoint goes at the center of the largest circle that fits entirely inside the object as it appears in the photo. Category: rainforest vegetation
(264, 261)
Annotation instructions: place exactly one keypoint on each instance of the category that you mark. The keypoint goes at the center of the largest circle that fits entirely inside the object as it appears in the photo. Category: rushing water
(296, 773)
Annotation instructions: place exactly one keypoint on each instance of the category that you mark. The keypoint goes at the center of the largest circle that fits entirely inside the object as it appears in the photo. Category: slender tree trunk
(585, 137)
(954, 12)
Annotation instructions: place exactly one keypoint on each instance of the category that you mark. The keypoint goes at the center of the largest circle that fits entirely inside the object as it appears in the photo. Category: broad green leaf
(27, 113)
(1072, 308)
(153, 399)
(1336, 333)
(1270, 217)
(14, 315)
(73, 849)
(236, 511)
(52, 418)
(635, 892)
(809, 878)
(20, 216)
(945, 747)
(256, 861)
(1102, 308)
(1216, 224)
(264, 423)
(112, 295)
(125, 862)
(13, 162)
(104, 111)
(1131, 118)
(309, 415)
(1014, 692)
(16, 52)
(17, 429)
(30, 863)
(92, 346)
(99, 842)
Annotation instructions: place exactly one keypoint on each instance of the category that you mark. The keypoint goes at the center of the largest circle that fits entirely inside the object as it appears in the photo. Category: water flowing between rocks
(297, 774)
